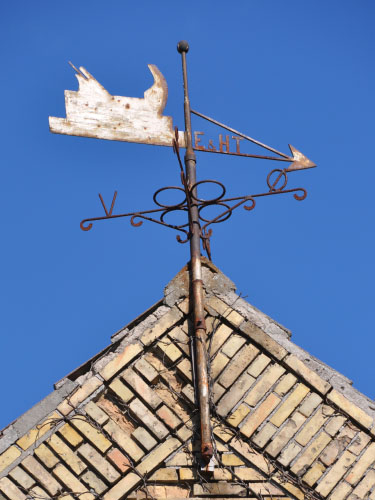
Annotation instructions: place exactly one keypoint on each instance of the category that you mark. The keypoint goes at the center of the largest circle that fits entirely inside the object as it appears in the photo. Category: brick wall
(130, 429)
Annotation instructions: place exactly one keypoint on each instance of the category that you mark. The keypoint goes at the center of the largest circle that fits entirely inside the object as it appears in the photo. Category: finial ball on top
(183, 46)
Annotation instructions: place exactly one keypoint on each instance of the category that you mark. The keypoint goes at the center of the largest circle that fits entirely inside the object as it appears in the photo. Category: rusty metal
(190, 199)
(244, 155)
(196, 275)
(112, 204)
(298, 160)
(247, 201)
(86, 224)
(197, 229)
(230, 129)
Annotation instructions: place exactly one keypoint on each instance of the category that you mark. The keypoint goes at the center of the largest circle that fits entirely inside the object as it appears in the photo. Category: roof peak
(262, 383)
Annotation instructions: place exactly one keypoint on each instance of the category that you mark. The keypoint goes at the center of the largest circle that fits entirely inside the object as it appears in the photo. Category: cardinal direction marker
(108, 214)
(276, 181)
(299, 160)
(93, 112)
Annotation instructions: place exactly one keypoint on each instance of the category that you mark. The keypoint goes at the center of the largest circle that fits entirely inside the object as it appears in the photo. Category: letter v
(108, 214)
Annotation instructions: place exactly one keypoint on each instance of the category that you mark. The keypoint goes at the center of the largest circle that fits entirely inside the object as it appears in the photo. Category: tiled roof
(125, 424)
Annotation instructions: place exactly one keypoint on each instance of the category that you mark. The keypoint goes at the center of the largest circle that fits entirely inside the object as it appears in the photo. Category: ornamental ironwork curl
(277, 181)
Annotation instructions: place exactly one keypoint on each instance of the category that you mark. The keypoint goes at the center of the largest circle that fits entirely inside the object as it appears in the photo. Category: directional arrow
(93, 112)
(299, 161)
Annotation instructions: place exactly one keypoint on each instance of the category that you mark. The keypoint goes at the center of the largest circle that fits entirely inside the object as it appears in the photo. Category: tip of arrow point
(300, 161)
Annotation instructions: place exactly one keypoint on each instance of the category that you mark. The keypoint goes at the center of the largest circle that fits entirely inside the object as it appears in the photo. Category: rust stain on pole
(196, 275)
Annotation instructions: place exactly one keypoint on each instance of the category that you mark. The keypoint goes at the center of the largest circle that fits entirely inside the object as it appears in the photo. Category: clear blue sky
(283, 72)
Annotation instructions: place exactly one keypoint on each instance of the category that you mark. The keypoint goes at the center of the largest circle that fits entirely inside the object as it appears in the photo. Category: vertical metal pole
(196, 272)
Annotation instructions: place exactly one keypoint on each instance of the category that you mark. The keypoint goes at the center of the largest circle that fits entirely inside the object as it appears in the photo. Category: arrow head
(300, 161)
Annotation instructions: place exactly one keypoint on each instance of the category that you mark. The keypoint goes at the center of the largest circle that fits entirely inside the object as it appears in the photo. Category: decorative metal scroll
(277, 181)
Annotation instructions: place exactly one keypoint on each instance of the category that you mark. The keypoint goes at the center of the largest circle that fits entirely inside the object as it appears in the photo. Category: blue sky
(282, 72)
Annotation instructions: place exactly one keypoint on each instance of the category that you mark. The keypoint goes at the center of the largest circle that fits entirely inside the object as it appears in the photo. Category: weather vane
(93, 112)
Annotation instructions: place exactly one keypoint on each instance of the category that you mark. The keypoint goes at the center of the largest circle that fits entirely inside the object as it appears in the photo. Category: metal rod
(245, 155)
(196, 273)
(230, 129)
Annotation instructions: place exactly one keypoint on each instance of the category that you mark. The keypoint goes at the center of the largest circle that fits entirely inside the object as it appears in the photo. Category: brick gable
(125, 426)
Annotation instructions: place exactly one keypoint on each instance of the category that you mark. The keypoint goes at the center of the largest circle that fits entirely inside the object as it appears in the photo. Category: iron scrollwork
(277, 181)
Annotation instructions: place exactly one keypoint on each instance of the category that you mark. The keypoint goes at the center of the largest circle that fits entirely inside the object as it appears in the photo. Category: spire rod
(196, 274)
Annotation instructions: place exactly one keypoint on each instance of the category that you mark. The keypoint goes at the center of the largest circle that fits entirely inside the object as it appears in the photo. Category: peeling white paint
(93, 112)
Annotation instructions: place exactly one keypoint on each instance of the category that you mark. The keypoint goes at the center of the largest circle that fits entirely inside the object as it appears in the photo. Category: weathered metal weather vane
(93, 112)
